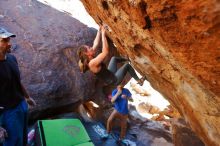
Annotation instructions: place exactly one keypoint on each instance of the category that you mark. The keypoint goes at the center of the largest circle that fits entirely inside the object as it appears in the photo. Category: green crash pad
(64, 132)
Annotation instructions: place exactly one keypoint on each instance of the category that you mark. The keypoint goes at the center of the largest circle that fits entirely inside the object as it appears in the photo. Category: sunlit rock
(175, 44)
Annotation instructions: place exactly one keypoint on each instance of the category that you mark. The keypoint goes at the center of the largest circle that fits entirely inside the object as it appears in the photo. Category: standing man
(13, 96)
(120, 97)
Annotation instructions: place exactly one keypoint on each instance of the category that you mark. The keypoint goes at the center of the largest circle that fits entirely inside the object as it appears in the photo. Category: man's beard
(8, 50)
(5, 50)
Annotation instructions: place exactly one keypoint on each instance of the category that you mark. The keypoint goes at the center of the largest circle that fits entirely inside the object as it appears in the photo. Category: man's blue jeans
(15, 122)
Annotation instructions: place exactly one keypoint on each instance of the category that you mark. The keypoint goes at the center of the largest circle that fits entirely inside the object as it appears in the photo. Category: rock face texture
(183, 136)
(45, 48)
(175, 43)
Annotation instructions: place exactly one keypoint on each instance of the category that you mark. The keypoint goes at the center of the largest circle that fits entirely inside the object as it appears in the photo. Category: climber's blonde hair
(83, 58)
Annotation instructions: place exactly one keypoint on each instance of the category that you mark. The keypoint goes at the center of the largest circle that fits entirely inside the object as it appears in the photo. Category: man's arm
(116, 96)
(29, 100)
(26, 95)
(128, 95)
(130, 99)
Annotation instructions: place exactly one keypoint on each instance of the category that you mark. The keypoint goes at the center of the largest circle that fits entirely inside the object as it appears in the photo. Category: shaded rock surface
(183, 135)
(176, 45)
(151, 133)
(45, 47)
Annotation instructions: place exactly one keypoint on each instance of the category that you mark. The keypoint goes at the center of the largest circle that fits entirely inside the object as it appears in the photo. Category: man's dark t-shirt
(10, 86)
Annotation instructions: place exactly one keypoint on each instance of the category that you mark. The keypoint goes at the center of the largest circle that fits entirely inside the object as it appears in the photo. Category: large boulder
(176, 45)
(45, 48)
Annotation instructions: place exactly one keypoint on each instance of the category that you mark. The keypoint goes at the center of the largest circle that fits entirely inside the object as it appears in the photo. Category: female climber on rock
(110, 75)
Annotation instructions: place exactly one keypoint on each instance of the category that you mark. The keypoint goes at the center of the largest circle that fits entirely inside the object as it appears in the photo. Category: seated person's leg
(113, 63)
(121, 73)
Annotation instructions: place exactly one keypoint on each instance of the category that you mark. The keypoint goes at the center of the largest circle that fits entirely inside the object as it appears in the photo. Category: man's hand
(31, 101)
(130, 99)
(119, 92)
(3, 134)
